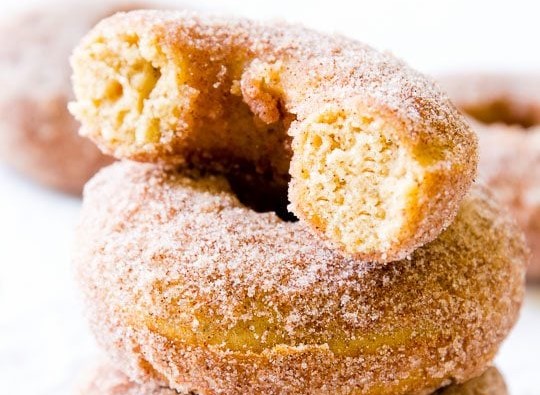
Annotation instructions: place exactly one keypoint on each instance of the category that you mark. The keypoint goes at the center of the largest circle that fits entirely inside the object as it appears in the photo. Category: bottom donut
(184, 283)
(105, 379)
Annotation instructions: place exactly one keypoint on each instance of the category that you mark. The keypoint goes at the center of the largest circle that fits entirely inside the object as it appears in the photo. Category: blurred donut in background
(38, 137)
(504, 109)
(105, 379)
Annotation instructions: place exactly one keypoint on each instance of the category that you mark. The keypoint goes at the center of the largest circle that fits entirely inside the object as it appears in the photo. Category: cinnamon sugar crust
(505, 112)
(105, 379)
(375, 158)
(185, 284)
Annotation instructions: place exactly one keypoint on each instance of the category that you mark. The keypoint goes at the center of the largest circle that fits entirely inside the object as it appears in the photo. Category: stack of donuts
(291, 213)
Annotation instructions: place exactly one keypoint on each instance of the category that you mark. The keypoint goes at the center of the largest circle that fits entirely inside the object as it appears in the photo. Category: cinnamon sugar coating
(375, 158)
(105, 379)
(505, 112)
(185, 284)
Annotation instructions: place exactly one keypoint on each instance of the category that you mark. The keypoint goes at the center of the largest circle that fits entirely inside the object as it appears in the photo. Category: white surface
(431, 35)
(43, 338)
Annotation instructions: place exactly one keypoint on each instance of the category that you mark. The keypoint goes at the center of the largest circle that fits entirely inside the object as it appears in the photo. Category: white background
(44, 342)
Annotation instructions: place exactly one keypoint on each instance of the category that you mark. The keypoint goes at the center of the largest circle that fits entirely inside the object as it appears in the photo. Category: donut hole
(356, 181)
(261, 194)
(505, 111)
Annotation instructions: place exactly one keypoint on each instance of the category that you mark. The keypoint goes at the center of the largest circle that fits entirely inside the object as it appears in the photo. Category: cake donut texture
(505, 112)
(107, 380)
(374, 157)
(185, 284)
(38, 136)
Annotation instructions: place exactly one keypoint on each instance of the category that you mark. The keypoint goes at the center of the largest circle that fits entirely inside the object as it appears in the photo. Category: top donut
(374, 156)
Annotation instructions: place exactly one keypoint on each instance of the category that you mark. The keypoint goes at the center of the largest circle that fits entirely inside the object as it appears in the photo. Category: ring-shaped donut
(185, 284)
(375, 158)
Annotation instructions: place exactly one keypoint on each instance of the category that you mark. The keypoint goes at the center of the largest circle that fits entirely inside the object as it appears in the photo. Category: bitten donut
(505, 112)
(186, 284)
(378, 158)
(107, 380)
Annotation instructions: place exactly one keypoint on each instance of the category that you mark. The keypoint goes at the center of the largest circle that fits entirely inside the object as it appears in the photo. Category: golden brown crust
(183, 281)
(105, 379)
(505, 112)
(224, 93)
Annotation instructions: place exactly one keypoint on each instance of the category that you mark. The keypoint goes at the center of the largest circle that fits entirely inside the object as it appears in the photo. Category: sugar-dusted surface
(42, 335)
(314, 69)
(231, 93)
(505, 112)
(174, 268)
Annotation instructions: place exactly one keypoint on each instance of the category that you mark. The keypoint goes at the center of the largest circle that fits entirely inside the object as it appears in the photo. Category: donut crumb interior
(357, 181)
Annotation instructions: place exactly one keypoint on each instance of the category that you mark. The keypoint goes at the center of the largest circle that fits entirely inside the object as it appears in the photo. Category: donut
(186, 284)
(504, 109)
(495, 98)
(38, 136)
(373, 156)
(489, 383)
(105, 379)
